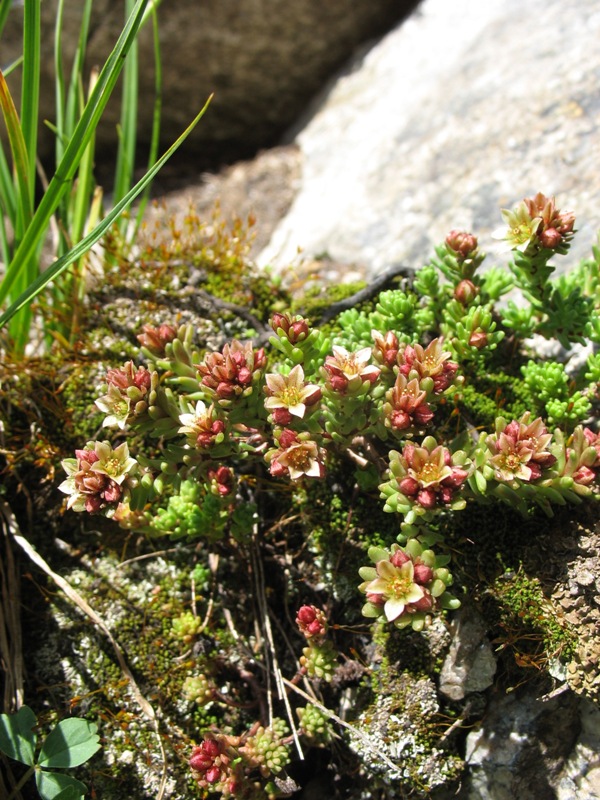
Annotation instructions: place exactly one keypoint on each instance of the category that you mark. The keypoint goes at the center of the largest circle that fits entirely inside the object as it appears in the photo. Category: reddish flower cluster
(156, 339)
(295, 328)
(406, 404)
(430, 362)
(347, 372)
(212, 763)
(520, 450)
(221, 480)
(430, 477)
(230, 372)
(297, 455)
(312, 623)
(555, 226)
(587, 474)
(462, 244)
(127, 376)
(99, 490)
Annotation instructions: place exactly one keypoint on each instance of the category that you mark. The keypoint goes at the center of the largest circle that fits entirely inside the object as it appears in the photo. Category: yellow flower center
(429, 473)
(400, 585)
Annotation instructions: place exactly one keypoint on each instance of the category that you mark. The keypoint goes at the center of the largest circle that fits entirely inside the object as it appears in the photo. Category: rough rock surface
(263, 59)
(464, 108)
(470, 664)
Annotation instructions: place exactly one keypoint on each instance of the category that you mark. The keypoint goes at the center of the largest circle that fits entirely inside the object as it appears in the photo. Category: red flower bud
(550, 238)
(461, 243)
(398, 558)
(281, 416)
(466, 292)
(426, 498)
(408, 486)
(423, 574)
(478, 339)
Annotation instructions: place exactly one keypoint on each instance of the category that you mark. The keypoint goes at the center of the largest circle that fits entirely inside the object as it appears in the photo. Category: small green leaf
(71, 743)
(56, 786)
(17, 739)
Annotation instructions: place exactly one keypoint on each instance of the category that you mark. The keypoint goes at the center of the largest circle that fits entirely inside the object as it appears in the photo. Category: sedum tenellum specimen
(396, 392)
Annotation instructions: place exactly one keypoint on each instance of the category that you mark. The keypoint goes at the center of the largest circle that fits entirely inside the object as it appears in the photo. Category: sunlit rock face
(262, 59)
(463, 109)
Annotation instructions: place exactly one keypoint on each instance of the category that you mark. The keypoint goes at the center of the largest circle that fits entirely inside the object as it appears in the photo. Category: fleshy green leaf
(71, 743)
(17, 739)
(56, 786)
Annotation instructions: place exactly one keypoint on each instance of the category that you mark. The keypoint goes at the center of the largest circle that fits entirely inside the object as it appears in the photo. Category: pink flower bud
(400, 420)
(423, 414)
(287, 438)
(224, 390)
(89, 456)
(478, 339)
(584, 476)
(113, 493)
(276, 469)
(427, 498)
(550, 238)
(461, 243)
(424, 603)
(408, 486)
(281, 416)
(375, 599)
(398, 558)
(244, 376)
(423, 574)
(446, 494)
(298, 331)
(466, 292)
(339, 383)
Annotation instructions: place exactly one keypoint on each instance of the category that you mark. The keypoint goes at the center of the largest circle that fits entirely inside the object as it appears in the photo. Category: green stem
(21, 783)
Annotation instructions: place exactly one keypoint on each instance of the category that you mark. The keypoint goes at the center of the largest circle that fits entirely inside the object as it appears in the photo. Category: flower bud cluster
(185, 626)
(312, 623)
(127, 395)
(216, 766)
(100, 478)
(406, 585)
(536, 224)
(266, 749)
(319, 658)
(229, 764)
(155, 339)
(198, 689)
(425, 478)
(314, 725)
(520, 449)
(231, 372)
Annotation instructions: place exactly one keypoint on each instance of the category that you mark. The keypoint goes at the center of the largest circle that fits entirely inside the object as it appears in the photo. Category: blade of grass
(155, 136)
(63, 263)
(128, 124)
(85, 128)
(30, 84)
(19, 328)
(18, 149)
(5, 6)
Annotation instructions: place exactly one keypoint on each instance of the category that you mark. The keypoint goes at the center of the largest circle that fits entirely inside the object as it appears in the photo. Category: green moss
(531, 626)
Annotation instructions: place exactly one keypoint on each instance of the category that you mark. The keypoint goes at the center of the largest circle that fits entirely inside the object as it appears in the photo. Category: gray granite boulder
(463, 109)
(263, 59)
